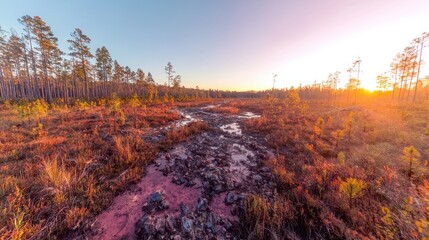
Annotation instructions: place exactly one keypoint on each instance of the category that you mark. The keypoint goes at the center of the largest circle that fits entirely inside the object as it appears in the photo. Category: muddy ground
(195, 190)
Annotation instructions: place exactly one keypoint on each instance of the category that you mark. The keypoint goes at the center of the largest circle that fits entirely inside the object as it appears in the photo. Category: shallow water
(232, 128)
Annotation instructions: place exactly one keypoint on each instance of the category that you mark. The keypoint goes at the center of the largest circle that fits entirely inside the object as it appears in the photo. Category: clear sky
(238, 44)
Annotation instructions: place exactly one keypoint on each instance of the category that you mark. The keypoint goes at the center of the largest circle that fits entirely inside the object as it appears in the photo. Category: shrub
(352, 188)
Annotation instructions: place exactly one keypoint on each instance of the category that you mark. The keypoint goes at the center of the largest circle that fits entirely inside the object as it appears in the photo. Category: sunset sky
(238, 44)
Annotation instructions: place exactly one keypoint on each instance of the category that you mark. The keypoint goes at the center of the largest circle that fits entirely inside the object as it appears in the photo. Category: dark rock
(144, 229)
(179, 180)
(155, 202)
(177, 237)
(187, 226)
(211, 222)
(184, 210)
(230, 198)
(202, 204)
(163, 205)
(227, 224)
(190, 183)
(206, 184)
(218, 188)
(160, 226)
(170, 224)
(155, 197)
(257, 178)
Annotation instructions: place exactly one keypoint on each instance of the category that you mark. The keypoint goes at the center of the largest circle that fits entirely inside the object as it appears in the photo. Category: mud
(203, 183)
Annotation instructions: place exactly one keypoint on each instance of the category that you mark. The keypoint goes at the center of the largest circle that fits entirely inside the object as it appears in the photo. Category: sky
(238, 44)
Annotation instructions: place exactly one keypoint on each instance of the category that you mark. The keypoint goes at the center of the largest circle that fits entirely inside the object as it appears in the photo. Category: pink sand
(118, 222)
(219, 207)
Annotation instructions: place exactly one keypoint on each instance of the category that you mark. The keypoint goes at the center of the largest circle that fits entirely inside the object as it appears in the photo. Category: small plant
(338, 136)
(135, 103)
(341, 157)
(58, 178)
(39, 109)
(82, 105)
(61, 108)
(411, 157)
(75, 216)
(38, 131)
(317, 128)
(23, 111)
(116, 111)
(349, 126)
(18, 225)
(352, 188)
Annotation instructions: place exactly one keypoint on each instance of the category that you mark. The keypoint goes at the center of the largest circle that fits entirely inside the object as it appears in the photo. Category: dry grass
(57, 175)
(310, 168)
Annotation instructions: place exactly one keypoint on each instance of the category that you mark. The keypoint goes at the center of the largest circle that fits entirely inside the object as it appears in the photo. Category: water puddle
(187, 119)
(249, 115)
(239, 161)
(210, 106)
(232, 128)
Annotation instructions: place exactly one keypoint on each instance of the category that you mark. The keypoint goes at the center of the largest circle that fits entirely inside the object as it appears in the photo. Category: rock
(179, 180)
(202, 205)
(184, 210)
(160, 226)
(206, 184)
(211, 222)
(166, 170)
(177, 237)
(155, 197)
(187, 226)
(170, 225)
(227, 224)
(155, 202)
(163, 205)
(218, 188)
(190, 183)
(144, 229)
(230, 198)
(257, 178)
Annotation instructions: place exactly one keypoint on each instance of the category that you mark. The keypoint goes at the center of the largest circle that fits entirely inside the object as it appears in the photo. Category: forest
(90, 149)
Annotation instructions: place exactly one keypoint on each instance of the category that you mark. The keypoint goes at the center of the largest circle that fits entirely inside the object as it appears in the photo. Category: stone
(179, 180)
(155, 197)
(170, 224)
(211, 222)
(190, 183)
(202, 204)
(187, 226)
(227, 224)
(160, 226)
(218, 188)
(177, 237)
(155, 202)
(163, 205)
(144, 229)
(184, 210)
(257, 178)
(230, 198)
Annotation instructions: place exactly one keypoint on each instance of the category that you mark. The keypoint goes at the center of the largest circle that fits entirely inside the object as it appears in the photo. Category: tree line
(33, 67)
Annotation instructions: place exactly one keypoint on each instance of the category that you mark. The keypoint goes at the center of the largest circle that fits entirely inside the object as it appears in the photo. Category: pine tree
(48, 49)
(103, 67)
(80, 51)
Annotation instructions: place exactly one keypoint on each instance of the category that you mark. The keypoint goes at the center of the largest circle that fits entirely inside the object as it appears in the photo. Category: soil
(195, 190)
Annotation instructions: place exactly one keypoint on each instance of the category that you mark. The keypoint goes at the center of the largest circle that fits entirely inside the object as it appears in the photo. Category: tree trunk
(418, 70)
